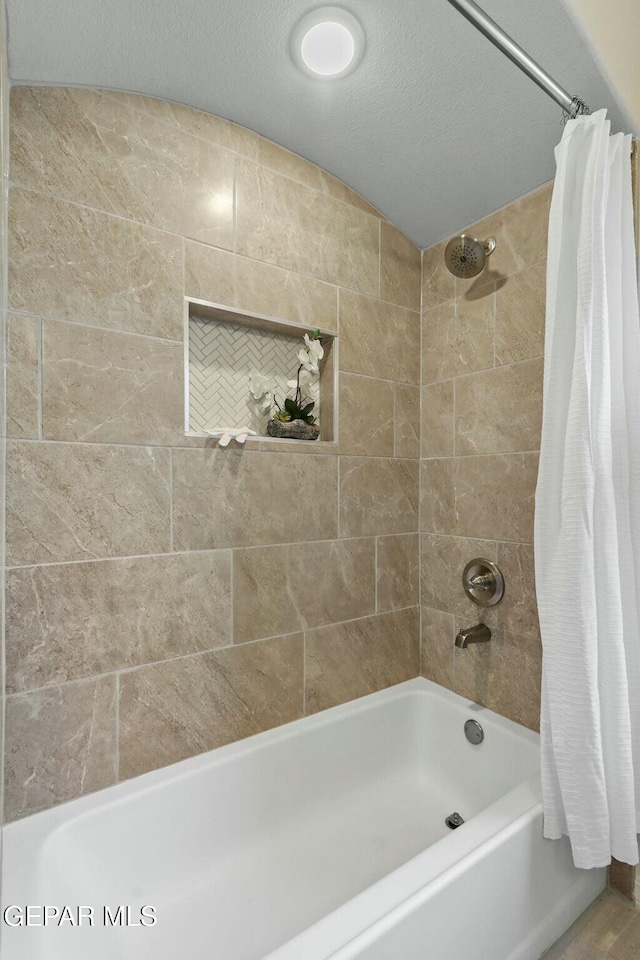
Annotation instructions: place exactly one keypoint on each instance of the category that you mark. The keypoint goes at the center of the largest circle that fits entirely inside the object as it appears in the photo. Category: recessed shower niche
(231, 356)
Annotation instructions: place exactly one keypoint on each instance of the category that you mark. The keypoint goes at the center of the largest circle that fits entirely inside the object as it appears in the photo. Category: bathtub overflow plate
(473, 732)
(454, 820)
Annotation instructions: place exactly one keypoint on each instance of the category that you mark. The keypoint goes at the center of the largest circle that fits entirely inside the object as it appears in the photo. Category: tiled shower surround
(482, 349)
(165, 597)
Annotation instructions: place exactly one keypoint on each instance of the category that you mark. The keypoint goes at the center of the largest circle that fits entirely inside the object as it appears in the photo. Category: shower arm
(572, 106)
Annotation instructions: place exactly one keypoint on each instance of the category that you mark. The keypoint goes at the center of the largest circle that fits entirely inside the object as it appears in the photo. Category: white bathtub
(323, 838)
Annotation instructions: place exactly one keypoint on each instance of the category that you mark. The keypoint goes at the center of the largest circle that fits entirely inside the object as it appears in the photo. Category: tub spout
(480, 633)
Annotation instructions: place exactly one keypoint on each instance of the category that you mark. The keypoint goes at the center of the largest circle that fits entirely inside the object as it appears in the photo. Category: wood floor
(608, 930)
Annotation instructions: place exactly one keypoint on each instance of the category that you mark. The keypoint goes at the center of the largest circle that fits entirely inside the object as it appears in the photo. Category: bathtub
(323, 838)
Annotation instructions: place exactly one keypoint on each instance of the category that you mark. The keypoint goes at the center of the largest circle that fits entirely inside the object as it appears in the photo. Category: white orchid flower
(315, 348)
(259, 385)
(307, 362)
(306, 379)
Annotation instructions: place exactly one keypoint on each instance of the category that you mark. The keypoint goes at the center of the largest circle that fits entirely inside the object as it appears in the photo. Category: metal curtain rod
(573, 106)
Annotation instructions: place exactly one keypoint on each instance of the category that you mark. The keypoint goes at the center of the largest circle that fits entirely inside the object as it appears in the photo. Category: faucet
(480, 633)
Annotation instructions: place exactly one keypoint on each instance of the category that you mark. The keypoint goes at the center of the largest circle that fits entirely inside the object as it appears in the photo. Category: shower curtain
(587, 528)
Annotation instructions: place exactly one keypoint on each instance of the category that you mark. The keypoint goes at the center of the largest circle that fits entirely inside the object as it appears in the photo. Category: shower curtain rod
(573, 106)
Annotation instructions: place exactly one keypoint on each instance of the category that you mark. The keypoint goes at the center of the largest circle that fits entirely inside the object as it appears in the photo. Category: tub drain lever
(453, 820)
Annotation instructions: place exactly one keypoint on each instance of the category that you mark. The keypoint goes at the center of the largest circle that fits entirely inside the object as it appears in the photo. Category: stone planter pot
(293, 429)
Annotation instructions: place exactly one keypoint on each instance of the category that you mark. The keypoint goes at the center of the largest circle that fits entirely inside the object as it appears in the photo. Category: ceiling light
(328, 43)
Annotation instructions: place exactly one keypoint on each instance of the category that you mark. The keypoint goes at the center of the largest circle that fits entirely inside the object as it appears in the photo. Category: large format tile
(437, 495)
(438, 284)
(437, 419)
(366, 409)
(80, 501)
(76, 264)
(494, 496)
(339, 189)
(503, 674)
(399, 268)
(349, 660)
(397, 565)
(289, 224)
(196, 122)
(221, 277)
(282, 589)
(86, 146)
(437, 650)
(379, 339)
(111, 387)
(226, 498)
(520, 308)
(499, 410)
(23, 350)
(457, 337)
(60, 744)
(490, 497)
(442, 563)
(289, 164)
(520, 231)
(173, 710)
(68, 621)
(518, 611)
(407, 421)
(378, 496)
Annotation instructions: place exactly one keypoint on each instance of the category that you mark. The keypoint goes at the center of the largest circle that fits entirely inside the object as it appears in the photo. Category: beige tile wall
(482, 345)
(165, 596)
(4, 186)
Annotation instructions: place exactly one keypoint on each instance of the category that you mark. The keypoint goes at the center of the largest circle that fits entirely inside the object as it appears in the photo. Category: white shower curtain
(587, 529)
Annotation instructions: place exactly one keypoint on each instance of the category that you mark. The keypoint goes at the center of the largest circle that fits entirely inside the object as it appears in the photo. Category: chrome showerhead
(465, 256)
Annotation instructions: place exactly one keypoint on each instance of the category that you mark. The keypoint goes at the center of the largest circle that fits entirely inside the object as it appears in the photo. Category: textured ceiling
(436, 127)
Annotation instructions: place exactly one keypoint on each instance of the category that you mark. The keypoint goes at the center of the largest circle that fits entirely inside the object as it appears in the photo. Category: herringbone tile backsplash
(222, 357)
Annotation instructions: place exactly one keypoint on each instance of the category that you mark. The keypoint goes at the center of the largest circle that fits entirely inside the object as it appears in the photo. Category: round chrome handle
(483, 582)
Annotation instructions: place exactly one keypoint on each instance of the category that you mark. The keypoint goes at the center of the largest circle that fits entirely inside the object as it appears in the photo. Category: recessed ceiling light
(328, 43)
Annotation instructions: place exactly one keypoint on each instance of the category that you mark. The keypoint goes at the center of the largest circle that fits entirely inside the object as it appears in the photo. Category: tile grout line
(375, 573)
(232, 592)
(14, 185)
(494, 322)
(304, 673)
(235, 206)
(208, 448)
(47, 318)
(379, 258)
(171, 549)
(40, 374)
(338, 500)
(92, 678)
(453, 425)
(395, 426)
(199, 551)
(117, 757)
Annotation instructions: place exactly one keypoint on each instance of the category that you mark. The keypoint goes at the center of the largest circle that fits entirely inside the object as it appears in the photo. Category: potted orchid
(295, 419)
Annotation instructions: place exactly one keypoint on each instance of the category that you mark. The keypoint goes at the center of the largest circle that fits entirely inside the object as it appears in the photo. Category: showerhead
(465, 256)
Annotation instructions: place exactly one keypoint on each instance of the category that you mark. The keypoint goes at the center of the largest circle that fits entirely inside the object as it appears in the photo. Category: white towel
(587, 529)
